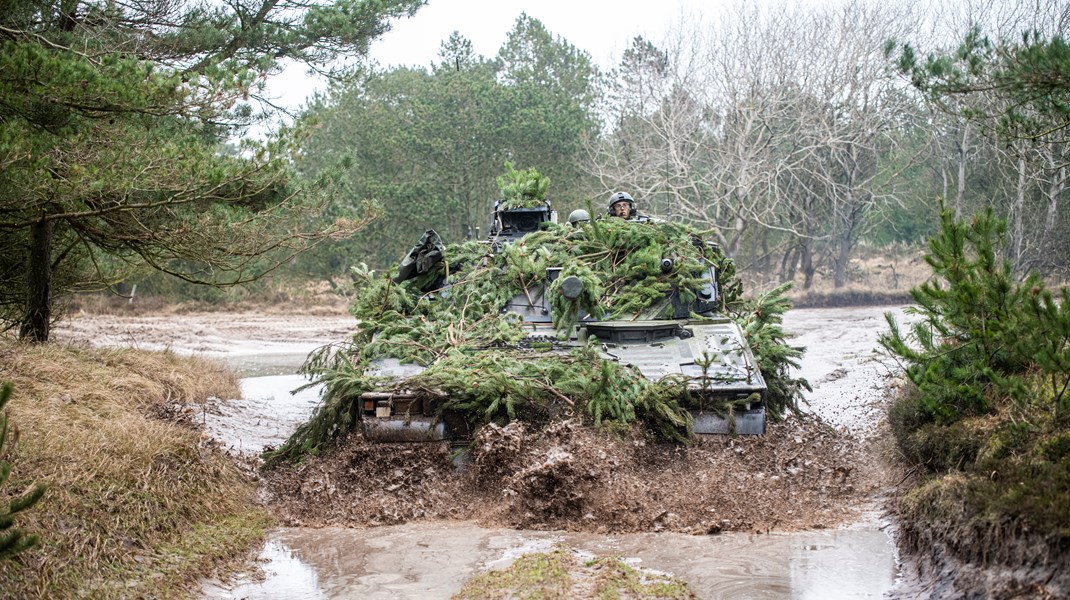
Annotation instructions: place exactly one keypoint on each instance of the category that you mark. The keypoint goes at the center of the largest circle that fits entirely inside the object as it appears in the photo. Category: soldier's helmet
(619, 197)
(578, 216)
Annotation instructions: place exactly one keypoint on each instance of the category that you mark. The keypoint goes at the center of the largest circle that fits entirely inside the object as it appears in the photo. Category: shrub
(12, 540)
(981, 333)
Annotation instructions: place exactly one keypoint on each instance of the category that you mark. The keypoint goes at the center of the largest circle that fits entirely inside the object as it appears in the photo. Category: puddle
(285, 576)
(432, 560)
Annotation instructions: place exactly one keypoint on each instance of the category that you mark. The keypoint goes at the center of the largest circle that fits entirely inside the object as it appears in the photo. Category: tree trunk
(943, 174)
(1055, 191)
(841, 262)
(789, 263)
(38, 318)
(1018, 233)
(963, 154)
(764, 263)
(842, 257)
(737, 236)
(806, 259)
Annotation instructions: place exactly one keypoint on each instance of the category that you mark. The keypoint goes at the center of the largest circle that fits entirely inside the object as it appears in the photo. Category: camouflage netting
(450, 320)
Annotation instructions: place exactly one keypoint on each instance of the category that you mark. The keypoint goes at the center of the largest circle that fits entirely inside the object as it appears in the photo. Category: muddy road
(797, 514)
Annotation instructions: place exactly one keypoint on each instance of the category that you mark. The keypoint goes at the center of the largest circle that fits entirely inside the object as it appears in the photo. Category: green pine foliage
(981, 332)
(763, 328)
(986, 419)
(522, 189)
(501, 386)
(1027, 75)
(344, 379)
(12, 540)
(114, 159)
(1049, 345)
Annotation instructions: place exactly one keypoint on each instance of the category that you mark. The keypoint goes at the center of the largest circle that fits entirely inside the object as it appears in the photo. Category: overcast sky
(601, 27)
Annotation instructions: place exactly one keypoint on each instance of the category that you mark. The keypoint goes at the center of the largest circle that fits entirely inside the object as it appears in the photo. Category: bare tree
(785, 131)
(769, 129)
(1021, 175)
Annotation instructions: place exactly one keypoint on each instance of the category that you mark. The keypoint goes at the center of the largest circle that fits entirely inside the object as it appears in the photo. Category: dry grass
(875, 276)
(139, 505)
(311, 298)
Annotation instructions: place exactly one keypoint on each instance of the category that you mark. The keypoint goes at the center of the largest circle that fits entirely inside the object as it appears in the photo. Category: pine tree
(113, 123)
(12, 540)
(1028, 76)
(982, 333)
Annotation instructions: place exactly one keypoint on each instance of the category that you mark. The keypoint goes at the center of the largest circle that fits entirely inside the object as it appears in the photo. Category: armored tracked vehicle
(610, 314)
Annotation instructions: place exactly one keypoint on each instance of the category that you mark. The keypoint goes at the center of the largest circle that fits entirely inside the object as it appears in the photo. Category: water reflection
(285, 576)
(432, 560)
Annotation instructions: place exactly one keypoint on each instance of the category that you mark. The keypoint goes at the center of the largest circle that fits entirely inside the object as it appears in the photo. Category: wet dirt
(270, 408)
(851, 379)
(571, 478)
(220, 334)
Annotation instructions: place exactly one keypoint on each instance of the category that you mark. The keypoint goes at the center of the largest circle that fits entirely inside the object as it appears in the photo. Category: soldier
(621, 205)
(578, 216)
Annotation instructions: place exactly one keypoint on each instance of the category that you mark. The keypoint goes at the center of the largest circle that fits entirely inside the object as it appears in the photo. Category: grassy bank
(564, 574)
(985, 420)
(993, 491)
(138, 503)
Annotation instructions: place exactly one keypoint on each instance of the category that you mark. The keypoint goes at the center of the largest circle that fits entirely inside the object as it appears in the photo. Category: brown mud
(801, 475)
(933, 570)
